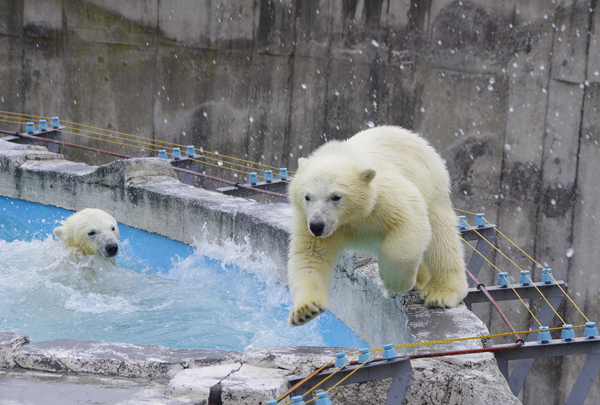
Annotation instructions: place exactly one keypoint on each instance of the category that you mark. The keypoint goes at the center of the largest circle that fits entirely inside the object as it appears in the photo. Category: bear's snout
(317, 227)
(112, 250)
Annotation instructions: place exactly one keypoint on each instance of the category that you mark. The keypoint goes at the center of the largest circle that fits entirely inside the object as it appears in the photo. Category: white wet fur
(385, 191)
(91, 231)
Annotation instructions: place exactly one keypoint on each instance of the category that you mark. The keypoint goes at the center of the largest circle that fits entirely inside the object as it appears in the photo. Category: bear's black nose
(112, 249)
(317, 228)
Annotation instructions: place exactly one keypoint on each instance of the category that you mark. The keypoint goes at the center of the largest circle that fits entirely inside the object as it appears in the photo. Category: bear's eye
(336, 197)
(91, 233)
(307, 197)
(113, 228)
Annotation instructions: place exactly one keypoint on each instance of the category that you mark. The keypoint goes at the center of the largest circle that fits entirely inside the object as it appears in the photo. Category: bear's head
(90, 231)
(332, 191)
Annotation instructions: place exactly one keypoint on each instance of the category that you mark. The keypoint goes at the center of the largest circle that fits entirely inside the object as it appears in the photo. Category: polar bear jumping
(385, 191)
(92, 232)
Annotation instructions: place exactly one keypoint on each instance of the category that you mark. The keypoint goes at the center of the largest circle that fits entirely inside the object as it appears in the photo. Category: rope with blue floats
(389, 353)
(525, 274)
(244, 186)
(149, 144)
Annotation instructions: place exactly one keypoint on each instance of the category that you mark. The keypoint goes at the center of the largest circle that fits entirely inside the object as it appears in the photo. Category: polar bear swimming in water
(92, 232)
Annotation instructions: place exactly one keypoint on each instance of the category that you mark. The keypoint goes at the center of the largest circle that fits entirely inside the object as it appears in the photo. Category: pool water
(159, 291)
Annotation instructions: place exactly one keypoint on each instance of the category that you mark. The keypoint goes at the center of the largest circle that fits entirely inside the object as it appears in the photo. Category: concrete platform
(36, 388)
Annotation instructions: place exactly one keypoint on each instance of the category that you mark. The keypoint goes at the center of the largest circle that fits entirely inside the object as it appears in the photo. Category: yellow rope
(551, 275)
(439, 342)
(463, 211)
(538, 290)
(27, 115)
(515, 245)
(11, 122)
(151, 143)
(547, 302)
(331, 375)
(492, 245)
(176, 144)
(570, 299)
(318, 371)
(355, 370)
(514, 290)
(508, 282)
(415, 344)
(147, 139)
(145, 148)
(322, 381)
(531, 258)
(155, 150)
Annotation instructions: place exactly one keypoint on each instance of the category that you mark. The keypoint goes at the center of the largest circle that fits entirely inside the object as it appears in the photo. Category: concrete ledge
(197, 383)
(120, 359)
(19, 387)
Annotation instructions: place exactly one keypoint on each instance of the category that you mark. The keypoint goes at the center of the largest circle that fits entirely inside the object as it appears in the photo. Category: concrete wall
(507, 91)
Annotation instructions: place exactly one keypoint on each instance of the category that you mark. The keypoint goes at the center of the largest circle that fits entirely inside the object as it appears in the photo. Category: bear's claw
(304, 313)
(441, 298)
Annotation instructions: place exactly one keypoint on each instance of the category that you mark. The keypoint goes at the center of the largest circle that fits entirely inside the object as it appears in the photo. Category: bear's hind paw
(304, 313)
(441, 298)
(390, 295)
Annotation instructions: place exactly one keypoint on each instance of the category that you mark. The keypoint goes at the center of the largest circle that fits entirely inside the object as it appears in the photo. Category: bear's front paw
(442, 297)
(304, 313)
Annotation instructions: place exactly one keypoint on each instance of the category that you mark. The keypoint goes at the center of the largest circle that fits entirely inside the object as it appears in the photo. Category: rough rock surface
(122, 359)
(197, 383)
(9, 343)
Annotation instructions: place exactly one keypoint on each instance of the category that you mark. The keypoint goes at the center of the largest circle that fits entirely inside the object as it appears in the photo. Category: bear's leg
(444, 258)
(400, 255)
(310, 270)
(397, 276)
(422, 277)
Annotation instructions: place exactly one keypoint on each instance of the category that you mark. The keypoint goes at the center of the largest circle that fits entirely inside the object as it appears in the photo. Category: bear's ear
(301, 162)
(367, 175)
(59, 232)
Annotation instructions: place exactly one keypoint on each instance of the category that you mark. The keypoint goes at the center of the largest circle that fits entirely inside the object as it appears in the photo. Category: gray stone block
(294, 360)
(253, 385)
(10, 342)
(197, 383)
(119, 359)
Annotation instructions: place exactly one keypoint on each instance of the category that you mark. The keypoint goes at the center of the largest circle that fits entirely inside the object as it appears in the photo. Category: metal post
(55, 135)
(523, 366)
(402, 374)
(485, 237)
(560, 347)
(188, 178)
(583, 384)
